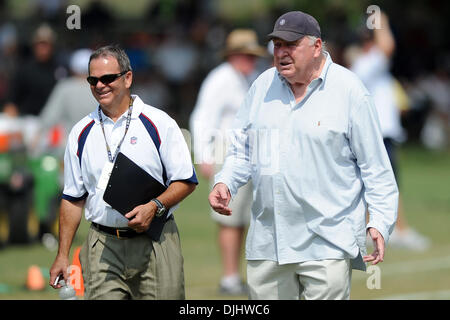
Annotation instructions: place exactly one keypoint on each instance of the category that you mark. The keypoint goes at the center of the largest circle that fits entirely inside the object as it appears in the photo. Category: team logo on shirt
(133, 140)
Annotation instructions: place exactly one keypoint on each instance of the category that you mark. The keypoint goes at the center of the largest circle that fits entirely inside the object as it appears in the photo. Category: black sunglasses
(105, 79)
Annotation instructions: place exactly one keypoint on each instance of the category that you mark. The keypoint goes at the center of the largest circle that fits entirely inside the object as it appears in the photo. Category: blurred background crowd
(173, 44)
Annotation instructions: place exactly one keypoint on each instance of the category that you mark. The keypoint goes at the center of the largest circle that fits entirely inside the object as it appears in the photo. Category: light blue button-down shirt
(316, 165)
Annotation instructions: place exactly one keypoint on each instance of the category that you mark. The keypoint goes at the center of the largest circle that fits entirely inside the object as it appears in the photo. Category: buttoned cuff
(380, 228)
(229, 185)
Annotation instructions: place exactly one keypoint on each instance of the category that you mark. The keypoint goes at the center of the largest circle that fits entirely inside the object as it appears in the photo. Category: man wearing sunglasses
(121, 259)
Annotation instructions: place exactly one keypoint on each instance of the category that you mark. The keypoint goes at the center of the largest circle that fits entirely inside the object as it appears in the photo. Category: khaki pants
(133, 268)
(310, 280)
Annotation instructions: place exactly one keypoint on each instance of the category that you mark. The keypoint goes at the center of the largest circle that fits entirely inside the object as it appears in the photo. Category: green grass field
(425, 188)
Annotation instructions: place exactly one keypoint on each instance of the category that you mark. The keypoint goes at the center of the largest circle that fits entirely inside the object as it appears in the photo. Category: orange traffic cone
(35, 279)
(76, 276)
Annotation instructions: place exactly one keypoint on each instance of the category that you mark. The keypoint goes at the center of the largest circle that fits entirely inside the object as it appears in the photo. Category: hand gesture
(219, 198)
(378, 243)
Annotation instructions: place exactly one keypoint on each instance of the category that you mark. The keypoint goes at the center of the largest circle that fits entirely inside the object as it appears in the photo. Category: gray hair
(114, 51)
(312, 40)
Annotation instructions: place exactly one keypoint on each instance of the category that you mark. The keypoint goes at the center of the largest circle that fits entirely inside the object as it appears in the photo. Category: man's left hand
(141, 217)
(378, 243)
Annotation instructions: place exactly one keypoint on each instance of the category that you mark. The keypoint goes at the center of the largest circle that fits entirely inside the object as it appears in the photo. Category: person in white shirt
(122, 259)
(372, 66)
(70, 99)
(219, 98)
(309, 138)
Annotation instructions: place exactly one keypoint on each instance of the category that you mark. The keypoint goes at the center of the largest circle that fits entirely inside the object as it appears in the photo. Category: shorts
(241, 206)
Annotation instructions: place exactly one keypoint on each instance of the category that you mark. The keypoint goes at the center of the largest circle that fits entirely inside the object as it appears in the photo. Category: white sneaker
(409, 239)
(235, 290)
(232, 285)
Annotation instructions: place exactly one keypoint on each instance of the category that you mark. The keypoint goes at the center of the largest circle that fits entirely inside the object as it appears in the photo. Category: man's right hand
(219, 198)
(60, 266)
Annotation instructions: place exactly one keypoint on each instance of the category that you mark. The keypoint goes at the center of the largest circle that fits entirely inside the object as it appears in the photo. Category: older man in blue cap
(308, 136)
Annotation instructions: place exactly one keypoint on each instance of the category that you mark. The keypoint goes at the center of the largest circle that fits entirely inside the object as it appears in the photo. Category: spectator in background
(71, 98)
(436, 131)
(372, 65)
(149, 84)
(220, 97)
(8, 57)
(35, 78)
(177, 59)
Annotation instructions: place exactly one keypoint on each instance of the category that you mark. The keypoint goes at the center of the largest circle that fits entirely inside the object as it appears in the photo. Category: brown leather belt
(119, 233)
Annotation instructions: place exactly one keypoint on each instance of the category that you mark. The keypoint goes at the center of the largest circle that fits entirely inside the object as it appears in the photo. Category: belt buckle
(118, 233)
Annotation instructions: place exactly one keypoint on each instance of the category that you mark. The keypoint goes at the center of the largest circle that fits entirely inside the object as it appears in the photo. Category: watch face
(160, 209)
(160, 212)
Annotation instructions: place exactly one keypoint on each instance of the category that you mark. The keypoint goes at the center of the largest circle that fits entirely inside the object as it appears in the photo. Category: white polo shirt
(153, 141)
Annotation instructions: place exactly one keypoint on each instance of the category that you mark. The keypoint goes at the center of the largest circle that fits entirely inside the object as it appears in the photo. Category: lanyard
(110, 157)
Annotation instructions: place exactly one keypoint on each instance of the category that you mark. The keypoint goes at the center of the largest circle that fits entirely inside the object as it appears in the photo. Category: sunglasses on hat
(105, 79)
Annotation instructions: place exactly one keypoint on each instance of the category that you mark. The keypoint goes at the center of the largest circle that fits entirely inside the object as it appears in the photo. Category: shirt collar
(137, 109)
(138, 104)
(325, 68)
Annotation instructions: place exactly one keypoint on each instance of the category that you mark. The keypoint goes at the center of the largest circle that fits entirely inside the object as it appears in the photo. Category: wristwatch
(161, 209)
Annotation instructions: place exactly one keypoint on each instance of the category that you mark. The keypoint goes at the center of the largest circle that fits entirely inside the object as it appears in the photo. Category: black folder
(130, 186)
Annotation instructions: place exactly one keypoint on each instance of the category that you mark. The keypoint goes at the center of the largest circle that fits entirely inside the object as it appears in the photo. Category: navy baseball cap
(293, 25)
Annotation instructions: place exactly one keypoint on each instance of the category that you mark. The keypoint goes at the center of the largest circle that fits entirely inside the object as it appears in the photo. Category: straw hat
(243, 41)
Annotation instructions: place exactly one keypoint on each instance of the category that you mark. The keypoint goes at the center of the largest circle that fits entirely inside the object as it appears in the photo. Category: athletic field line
(425, 295)
(411, 266)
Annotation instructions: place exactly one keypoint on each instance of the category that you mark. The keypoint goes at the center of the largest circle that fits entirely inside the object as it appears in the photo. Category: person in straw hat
(219, 98)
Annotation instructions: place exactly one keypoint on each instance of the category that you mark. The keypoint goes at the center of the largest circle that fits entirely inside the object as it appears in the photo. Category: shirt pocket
(324, 129)
(328, 132)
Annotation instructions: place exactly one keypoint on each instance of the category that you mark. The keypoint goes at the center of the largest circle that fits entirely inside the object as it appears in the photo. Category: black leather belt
(119, 233)
(130, 233)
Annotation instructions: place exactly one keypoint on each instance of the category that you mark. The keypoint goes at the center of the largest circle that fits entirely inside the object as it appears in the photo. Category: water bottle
(66, 292)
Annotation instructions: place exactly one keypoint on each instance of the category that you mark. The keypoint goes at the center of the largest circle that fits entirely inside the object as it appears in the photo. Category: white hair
(312, 40)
